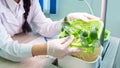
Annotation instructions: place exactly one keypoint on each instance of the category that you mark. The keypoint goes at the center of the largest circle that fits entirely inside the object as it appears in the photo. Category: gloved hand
(83, 16)
(59, 48)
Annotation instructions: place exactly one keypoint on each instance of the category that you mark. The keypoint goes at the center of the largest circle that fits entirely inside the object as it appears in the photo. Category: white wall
(67, 6)
(113, 17)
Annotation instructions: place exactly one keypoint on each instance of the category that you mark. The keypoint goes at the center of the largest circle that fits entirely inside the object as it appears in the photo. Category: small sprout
(93, 34)
(85, 34)
(65, 19)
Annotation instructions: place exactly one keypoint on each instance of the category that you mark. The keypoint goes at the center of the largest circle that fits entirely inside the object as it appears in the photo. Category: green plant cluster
(87, 34)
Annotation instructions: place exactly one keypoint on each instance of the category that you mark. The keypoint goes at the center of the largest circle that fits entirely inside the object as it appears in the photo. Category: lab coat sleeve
(12, 50)
(42, 25)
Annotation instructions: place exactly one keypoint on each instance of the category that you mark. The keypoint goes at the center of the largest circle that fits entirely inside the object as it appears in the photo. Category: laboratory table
(109, 59)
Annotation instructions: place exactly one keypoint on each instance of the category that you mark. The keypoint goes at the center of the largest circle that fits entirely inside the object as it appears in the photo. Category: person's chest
(13, 20)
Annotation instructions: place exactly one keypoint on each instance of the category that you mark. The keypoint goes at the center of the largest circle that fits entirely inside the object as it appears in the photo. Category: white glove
(59, 48)
(83, 16)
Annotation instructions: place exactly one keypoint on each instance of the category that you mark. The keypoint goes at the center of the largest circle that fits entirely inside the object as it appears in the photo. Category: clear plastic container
(73, 62)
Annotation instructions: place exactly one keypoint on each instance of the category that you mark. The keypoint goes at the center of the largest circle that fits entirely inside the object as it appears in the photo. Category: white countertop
(111, 53)
(34, 62)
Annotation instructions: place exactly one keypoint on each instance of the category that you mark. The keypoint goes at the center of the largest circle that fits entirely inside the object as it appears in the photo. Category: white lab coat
(11, 20)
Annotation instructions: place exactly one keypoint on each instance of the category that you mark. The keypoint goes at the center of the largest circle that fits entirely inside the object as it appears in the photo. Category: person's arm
(14, 51)
(58, 48)
(41, 24)
(11, 49)
(39, 49)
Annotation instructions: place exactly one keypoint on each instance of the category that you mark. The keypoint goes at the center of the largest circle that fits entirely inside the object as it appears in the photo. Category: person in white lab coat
(18, 16)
